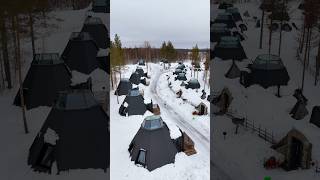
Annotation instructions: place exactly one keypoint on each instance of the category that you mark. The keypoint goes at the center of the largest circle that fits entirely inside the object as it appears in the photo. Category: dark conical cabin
(98, 31)
(124, 87)
(135, 78)
(152, 146)
(299, 111)
(82, 135)
(140, 71)
(133, 104)
(229, 47)
(46, 77)
(268, 70)
(315, 116)
(233, 72)
(81, 52)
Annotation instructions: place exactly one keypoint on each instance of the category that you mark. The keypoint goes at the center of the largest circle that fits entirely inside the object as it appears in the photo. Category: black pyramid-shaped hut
(47, 75)
(81, 52)
(152, 146)
(98, 31)
(124, 87)
(82, 135)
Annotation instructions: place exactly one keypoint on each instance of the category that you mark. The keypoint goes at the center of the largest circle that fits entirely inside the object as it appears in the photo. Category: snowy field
(176, 114)
(16, 144)
(242, 155)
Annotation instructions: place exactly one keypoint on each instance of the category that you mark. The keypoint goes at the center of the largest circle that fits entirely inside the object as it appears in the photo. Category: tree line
(121, 56)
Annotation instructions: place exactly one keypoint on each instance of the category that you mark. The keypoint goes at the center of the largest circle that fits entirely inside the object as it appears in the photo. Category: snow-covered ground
(242, 155)
(176, 114)
(14, 143)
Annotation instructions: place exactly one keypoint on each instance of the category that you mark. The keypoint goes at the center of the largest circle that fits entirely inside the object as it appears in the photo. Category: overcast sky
(184, 22)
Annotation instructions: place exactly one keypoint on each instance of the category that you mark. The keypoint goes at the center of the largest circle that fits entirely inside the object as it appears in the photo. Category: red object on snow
(271, 163)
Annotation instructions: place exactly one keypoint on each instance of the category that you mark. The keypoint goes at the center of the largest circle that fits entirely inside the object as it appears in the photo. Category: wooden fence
(262, 132)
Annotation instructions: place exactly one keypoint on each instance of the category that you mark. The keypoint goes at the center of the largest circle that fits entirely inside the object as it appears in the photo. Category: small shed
(202, 109)
(297, 150)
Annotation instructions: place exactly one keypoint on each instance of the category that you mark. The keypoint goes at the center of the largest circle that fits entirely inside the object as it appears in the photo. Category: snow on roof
(78, 77)
(134, 86)
(147, 101)
(125, 104)
(99, 79)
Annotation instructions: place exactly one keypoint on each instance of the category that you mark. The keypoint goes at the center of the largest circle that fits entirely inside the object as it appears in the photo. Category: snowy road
(202, 141)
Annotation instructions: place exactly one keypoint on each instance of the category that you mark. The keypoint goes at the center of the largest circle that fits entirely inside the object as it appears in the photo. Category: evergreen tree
(195, 56)
(117, 57)
(171, 51)
(163, 50)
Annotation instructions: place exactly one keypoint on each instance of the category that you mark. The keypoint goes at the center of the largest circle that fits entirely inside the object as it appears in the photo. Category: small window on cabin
(141, 159)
